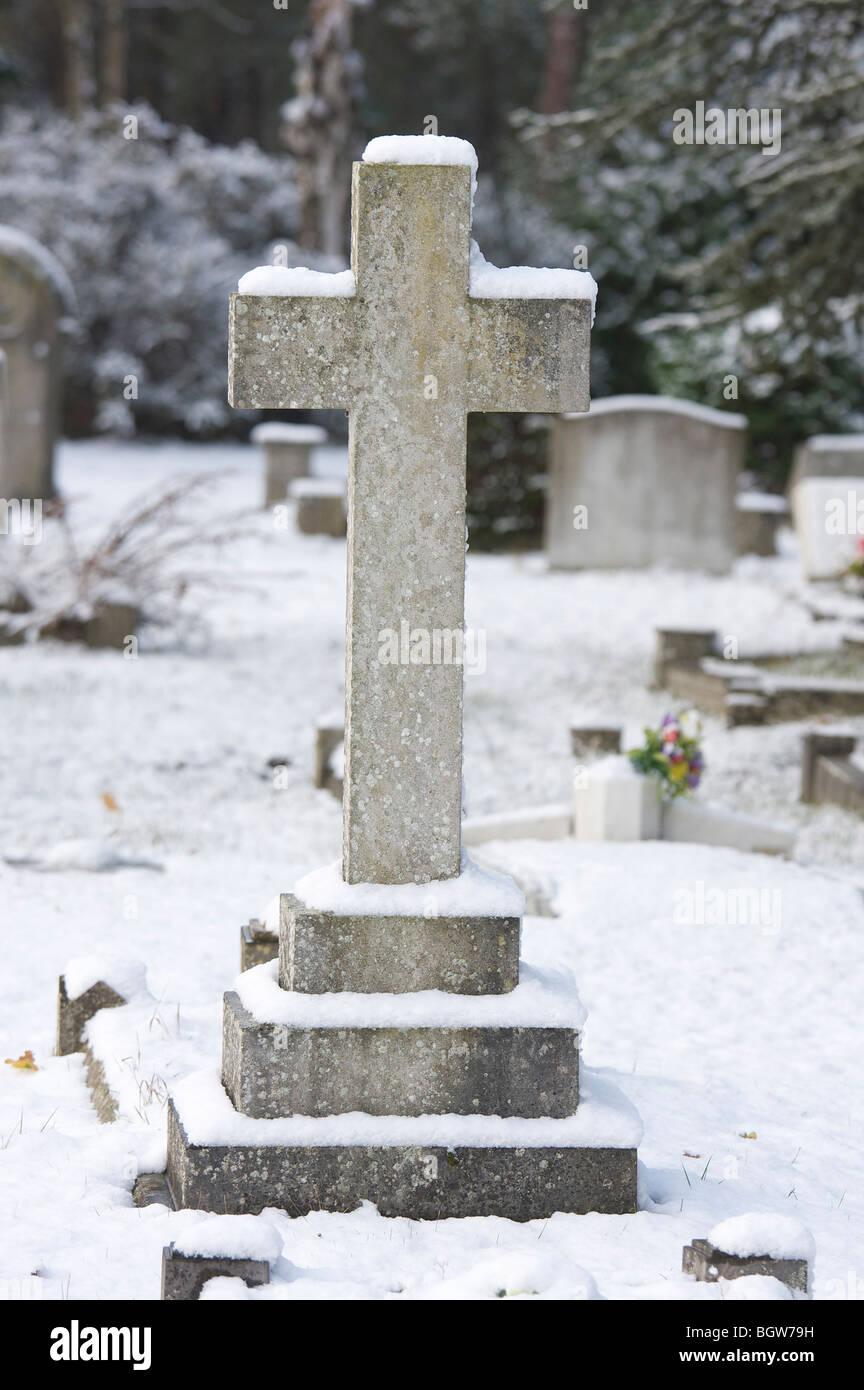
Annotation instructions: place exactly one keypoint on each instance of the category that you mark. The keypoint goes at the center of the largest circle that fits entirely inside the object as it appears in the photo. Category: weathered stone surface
(151, 1190)
(36, 305)
(74, 1014)
(328, 737)
(828, 456)
(272, 1070)
(708, 1264)
(422, 1183)
(320, 506)
(184, 1276)
(408, 356)
(828, 775)
(625, 462)
(675, 646)
(257, 945)
(594, 738)
(323, 952)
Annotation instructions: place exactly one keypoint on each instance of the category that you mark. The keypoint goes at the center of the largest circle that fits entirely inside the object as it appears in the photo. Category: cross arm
(528, 354)
(292, 352)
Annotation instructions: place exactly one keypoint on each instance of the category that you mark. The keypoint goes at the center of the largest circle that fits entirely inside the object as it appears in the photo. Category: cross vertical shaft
(406, 537)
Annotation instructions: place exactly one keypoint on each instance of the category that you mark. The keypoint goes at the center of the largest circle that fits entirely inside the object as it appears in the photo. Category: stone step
(324, 952)
(426, 1169)
(271, 1070)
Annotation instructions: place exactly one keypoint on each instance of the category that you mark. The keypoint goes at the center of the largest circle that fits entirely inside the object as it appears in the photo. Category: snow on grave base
(420, 1179)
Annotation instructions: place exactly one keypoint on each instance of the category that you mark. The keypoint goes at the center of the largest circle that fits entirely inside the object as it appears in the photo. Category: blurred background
(160, 148)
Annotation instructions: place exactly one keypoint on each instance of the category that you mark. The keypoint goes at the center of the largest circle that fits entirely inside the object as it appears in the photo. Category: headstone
(409, 341)
(644, 480)
(754, 1243)
(594, 738)
(827, 772)
(827, 516)
(828, 456)
(329, 738)
(760, 516)
(184, 1276)
(320, 506)
(37, 306)
(287, 451)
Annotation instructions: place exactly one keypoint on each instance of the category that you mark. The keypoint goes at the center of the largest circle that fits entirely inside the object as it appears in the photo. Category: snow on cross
(420, 331)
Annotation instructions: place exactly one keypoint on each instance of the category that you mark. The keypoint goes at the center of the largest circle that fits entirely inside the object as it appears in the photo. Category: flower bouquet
(672, 754)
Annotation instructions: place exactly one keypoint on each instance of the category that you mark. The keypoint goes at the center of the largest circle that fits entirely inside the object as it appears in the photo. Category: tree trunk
(317, 126)
(77, 39)
(114, 52)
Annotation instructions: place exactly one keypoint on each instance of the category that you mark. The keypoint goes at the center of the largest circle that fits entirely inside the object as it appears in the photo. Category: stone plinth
(679, 646)
(320, 506)
(270, 1070)
(642, 480)
(287, 451)
(707, 1264)
(827, 775)
(321, 952)
(257, 944)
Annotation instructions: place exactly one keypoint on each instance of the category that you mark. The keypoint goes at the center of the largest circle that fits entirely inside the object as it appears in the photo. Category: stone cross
(408, 353)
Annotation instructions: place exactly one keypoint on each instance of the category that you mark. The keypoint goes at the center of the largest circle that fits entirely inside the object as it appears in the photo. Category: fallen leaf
(25, 1062)
(751, 1135)
(689, 1155)
(108, 802)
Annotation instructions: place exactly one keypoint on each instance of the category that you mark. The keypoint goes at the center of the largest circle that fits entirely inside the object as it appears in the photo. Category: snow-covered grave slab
(400, 974)
(613, 801)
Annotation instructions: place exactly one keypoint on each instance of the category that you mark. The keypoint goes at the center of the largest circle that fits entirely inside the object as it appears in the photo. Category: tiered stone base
(425, 1183)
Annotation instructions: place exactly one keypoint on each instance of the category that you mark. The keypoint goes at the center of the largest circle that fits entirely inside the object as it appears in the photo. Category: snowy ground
(736, 1042)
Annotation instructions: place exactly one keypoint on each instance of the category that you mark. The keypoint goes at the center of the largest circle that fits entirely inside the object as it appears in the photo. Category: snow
(475, 892)
(543, 998)
(297, 280)
(761, 502)
(835, 443)
(316, 487)
(610, 405)
(755, 1288)
(88, 855)
(232, 1237)
(489, 281)
(422, 149)
(603, 1119)
(763, 1233)
(275, 432)
(713, 1030)
(125, 974)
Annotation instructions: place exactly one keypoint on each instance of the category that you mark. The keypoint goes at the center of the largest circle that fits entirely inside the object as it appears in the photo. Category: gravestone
(37, 305)
(287, 450)
(644, 480)
(409, 341)
(828, 456)
(828, 512)
(320, 506)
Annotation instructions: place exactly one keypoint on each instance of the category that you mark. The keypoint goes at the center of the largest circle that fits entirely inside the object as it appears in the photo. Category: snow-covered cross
(420, 331)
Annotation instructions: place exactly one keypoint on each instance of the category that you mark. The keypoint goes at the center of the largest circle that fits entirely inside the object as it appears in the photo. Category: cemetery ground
(734, 1040)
